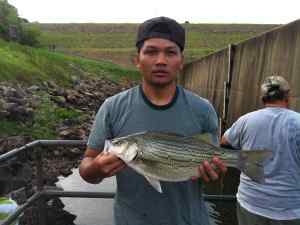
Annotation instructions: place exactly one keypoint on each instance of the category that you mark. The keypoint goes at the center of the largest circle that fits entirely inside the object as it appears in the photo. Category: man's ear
(182, 62)
(136, 61)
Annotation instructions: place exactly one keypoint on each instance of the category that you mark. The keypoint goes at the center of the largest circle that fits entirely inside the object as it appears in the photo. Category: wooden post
(227, 87)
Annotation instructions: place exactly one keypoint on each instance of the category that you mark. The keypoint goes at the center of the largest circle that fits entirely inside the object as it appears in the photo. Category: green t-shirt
(136, 202)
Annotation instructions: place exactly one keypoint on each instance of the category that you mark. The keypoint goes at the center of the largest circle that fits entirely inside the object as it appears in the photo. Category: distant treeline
(15, 28)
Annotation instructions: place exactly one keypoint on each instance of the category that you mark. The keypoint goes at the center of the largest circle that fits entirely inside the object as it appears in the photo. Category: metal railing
(41, 193)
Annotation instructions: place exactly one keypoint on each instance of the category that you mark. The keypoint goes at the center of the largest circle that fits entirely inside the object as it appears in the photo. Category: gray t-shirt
(277, 129)
(136, 202)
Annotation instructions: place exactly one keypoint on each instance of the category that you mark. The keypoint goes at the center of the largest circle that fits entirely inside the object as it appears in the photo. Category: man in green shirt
(159, 105)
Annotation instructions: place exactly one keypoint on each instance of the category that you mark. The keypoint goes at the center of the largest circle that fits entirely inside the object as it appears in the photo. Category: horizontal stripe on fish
(171, 157)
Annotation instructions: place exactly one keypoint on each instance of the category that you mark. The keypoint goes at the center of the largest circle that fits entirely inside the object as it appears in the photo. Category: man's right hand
(108, 164)
(95, 166)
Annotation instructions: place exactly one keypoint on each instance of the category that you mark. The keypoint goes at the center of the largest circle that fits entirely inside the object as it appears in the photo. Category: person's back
(275, 128)
(280, 128)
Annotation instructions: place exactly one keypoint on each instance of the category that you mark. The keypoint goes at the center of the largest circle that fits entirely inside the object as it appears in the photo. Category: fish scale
(184, 153)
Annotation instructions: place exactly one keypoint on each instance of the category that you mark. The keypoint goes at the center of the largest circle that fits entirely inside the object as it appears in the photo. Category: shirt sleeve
(101, 129)
(234, 134)
(213, 127)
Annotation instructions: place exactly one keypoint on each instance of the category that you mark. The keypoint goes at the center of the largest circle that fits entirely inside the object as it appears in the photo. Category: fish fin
(154, 183)
(206, 138)
(128, 136)
(250, 162)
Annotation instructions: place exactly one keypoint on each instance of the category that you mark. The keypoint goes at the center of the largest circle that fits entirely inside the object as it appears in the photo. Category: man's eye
(150, 52)
(171, 52)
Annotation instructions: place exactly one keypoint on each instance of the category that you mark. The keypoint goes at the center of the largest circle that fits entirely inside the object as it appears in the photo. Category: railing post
(41, 203)
(227, 87)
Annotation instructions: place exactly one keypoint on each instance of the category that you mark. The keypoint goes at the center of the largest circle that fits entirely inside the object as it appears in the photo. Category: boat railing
(42, 193)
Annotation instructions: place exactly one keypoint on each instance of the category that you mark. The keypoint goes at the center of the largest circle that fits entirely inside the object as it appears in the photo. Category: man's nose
(161, 59)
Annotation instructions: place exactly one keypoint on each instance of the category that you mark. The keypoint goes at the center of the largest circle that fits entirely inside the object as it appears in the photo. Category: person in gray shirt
(275, 127)
(158, 105)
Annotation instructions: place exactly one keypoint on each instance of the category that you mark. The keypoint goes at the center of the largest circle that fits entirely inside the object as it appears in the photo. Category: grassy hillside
(115, 42)
(22, 66)
(29, 65)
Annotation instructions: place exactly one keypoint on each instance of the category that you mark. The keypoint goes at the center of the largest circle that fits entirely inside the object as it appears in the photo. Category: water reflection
(97, 211)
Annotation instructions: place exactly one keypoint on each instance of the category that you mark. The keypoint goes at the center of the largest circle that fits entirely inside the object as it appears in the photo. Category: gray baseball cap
(274, 86)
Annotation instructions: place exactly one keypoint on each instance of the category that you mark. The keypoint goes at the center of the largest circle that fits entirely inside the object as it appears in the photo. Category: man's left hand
(211, 171)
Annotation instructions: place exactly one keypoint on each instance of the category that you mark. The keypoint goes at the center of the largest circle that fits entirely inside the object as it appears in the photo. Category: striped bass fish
(172, 157)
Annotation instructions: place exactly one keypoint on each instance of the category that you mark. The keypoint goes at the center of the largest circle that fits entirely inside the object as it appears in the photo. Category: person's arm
(211, 171)
(225, 143)
(96, 165)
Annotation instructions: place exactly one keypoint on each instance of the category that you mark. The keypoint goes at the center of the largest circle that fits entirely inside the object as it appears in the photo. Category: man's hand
(96, 166)
(108, 164)
(211, 171)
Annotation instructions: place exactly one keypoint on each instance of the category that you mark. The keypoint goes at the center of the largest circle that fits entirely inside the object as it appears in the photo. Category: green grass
(116, 42)
(127, 40)
(99, 42)
(46, 119)
(29, 65)
(21, 64)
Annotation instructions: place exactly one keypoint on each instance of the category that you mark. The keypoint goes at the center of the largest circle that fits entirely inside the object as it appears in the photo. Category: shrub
(29, 35)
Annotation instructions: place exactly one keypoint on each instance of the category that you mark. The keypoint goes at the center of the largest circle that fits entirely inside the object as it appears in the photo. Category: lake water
(89, 211)
(95, 211)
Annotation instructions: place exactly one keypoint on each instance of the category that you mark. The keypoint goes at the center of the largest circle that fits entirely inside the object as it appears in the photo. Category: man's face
(159, 61)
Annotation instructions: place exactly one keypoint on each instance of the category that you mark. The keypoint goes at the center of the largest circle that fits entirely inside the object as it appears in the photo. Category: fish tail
(250, 162)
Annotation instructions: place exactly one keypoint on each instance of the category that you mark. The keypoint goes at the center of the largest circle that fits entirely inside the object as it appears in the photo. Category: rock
(65, 172)
(34, 88)
(74, 153)
(73, 134)
(20, 113)
(19, 103)
(9, 143)
(59, 100)
(51, 84)
(56, 153)
(9, 106)
(3, 114)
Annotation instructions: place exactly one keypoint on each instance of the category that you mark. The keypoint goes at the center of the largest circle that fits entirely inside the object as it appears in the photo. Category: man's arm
(96, 165)
(225, 143)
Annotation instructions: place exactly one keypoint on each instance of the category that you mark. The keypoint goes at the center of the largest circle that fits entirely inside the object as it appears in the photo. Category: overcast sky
(136, 11)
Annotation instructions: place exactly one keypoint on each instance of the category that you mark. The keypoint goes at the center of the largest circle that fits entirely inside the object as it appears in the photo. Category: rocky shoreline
(18, 103)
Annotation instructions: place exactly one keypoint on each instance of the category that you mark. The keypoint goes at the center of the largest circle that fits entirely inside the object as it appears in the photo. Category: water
(95, 211)
(89, 211)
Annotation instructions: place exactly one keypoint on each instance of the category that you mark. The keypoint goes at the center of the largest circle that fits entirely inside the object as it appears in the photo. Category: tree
(8, 17)
(14, 28)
